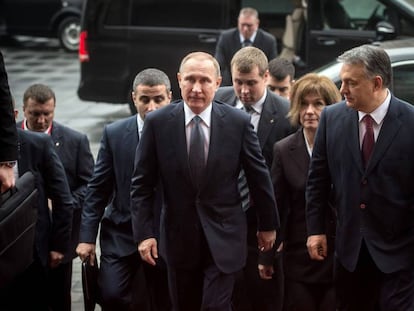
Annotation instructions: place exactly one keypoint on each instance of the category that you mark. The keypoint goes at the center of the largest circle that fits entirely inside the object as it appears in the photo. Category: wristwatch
(9, 164)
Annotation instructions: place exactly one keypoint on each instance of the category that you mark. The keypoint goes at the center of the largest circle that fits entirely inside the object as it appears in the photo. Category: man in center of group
(268, 113)
(196, 147)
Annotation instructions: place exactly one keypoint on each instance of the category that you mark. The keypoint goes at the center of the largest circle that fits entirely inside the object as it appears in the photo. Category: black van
(121, 37)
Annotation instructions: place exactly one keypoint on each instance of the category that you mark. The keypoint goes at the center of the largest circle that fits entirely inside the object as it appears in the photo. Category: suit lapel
(57, 136)
(178, 142)
(298, 152)
(266, 121)
(388, 132)
(352, 138)
(217, 123)
(131, 138)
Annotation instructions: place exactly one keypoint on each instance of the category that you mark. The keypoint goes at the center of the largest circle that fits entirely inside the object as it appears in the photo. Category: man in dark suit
(247, 33)
(8, 133)
(196, 147)
(73, 149)
(268, 113)
(362, 158)
(53, 228)
(107, 203)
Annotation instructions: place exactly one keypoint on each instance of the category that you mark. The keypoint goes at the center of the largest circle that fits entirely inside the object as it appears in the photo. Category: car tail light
(83, 48)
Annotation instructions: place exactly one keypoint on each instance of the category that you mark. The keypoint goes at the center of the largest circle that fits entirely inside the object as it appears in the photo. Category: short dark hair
(280, 68)
(40, 93)
(152, 77)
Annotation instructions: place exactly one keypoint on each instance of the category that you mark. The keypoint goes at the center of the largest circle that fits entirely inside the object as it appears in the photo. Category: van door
(335, 26)
(124, 37)
(164, 31)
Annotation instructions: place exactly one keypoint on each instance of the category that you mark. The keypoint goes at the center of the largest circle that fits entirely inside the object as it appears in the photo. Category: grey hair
(374, 59)
(152, 77)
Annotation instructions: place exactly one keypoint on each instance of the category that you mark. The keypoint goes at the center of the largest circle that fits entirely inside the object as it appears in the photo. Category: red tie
(368, 141)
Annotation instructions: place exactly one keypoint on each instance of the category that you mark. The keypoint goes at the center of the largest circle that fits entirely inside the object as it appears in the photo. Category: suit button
(362, 206)
(364, 181)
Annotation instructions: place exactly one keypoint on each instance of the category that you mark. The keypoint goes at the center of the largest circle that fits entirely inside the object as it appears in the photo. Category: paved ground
(42, 61)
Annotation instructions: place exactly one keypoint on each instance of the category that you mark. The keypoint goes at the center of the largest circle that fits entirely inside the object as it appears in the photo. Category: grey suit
(229, 43)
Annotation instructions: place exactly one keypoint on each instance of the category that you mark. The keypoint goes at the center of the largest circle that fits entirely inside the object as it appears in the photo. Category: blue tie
(196, 156)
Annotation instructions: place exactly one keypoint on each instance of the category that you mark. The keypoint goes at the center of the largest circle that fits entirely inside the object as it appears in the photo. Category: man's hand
(148, 250)
(86, 249)
(55, 259)
(317, 246)
(7, 179)
(266, 240)
(265, 272)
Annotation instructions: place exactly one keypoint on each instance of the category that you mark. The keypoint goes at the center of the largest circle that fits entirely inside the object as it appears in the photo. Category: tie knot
(248, 108)
(197, 119)
(368, 120)
(247, 42)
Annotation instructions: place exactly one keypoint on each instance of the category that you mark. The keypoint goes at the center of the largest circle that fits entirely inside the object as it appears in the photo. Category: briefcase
(90, 284)
(18, 215)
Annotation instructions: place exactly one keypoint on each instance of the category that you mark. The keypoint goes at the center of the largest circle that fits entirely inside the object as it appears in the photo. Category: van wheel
(68, 33)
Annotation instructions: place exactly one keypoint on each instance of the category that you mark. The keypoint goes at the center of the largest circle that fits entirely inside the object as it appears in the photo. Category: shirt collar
(205, 115)
(140, 124)
(251, 38)
(378, 114)
(26, 128)
(257, 106)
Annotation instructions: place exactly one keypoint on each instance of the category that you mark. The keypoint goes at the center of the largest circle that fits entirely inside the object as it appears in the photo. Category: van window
(116, 15)
(404, 81)
(168, 13)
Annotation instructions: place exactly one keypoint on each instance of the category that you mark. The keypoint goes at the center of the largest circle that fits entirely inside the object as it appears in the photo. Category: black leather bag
(18, 216)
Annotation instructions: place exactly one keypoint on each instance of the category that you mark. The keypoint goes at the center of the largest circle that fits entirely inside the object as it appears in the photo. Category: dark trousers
(367, 288)
(252, 293)
(59, 287)
(203, 288)
(27, 292)
(127, 284)
(301, 296)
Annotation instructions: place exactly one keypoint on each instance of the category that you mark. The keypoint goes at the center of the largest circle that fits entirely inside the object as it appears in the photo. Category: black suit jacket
(229, 43)
(375, 204)
(215, 210)
(273, 124)
(8, 133)
(289, 174)
(53, 228)
(108, 194)
(74, 152)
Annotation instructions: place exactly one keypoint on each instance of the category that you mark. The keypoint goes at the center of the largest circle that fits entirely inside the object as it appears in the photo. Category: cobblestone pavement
(31, 61)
